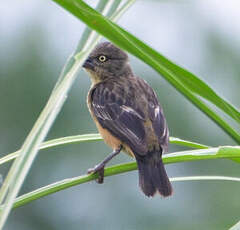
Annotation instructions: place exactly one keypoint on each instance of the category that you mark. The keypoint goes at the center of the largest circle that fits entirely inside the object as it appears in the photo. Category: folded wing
(116, 112)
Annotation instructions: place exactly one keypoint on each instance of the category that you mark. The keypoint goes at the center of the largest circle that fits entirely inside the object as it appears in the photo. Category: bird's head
(107, 61)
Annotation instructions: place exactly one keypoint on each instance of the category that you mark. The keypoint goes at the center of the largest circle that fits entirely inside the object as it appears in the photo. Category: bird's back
(133, 97)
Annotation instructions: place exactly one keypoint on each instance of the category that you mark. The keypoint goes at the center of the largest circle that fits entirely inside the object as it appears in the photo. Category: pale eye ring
(102, 58)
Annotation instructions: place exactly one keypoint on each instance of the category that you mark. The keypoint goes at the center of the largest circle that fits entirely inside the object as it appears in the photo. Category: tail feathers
(152, 175)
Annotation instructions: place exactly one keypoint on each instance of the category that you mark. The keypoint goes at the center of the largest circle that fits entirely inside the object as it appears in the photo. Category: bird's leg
(99, 168)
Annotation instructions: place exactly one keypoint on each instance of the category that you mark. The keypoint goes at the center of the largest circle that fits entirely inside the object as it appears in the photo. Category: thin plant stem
(22, 164)
(225, 152)
(92, 137)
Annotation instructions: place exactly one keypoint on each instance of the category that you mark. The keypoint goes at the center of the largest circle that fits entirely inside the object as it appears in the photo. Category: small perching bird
(128, 116)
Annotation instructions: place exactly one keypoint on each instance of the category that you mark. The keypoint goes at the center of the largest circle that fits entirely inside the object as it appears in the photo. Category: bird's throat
(93, 76)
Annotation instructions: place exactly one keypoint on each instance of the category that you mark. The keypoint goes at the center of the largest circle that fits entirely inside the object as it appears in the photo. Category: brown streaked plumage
(128, 116)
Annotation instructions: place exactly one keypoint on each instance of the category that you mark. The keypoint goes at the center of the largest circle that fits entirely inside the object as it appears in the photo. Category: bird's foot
(100, 170)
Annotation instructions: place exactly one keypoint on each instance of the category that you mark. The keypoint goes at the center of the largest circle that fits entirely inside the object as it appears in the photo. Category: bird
(128, 116)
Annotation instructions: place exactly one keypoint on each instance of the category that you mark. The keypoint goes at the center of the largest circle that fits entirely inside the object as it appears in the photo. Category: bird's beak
(88, 64)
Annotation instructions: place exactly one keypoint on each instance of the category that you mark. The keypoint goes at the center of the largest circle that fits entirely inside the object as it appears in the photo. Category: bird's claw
(100, 170)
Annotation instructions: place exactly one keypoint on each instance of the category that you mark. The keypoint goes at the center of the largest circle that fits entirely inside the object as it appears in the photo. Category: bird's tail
(152, 175)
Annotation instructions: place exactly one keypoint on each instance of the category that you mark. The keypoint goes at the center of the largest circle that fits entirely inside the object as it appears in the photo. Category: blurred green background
(36, 37)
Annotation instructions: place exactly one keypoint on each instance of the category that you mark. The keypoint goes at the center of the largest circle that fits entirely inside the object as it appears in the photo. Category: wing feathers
(123, 111)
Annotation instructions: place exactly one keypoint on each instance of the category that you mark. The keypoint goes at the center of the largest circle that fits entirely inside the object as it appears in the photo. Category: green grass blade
(236, 226)
(225, 152)
(92, 137)
(22, 164)
(185, 82)
(195, 145)
(205, 178)
(88, 37)
(67, 183)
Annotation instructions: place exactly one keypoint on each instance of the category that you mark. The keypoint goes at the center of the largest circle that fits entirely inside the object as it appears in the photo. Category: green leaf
(236, 226)
(178, 141)
(237, 160)
(91, 137)
(199, 178)
(185, 82)
(226, 152)
(22, 164)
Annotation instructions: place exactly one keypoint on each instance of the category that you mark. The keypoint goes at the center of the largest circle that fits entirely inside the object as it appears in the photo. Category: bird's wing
(117, 112)
(155, 114)
(159, 124)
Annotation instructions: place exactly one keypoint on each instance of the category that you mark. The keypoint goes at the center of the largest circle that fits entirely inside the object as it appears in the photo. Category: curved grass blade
(236, 226)
(92, 137)
(67, 183)
(185, 82)
(225, 152)
(195, 145)
(22, 164)
(205, 178)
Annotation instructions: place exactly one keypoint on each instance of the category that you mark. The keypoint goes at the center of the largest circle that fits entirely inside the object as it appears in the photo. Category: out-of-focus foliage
(33, 50)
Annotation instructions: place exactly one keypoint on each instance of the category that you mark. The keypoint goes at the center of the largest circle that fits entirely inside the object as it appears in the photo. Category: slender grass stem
(92, 137)
(22, 164)
(225, 152)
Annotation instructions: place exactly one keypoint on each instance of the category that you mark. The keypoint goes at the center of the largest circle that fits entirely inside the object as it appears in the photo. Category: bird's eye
(102, 58)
